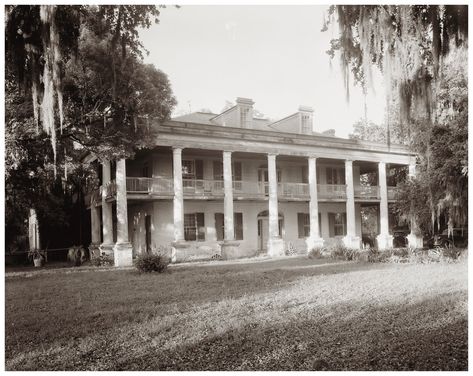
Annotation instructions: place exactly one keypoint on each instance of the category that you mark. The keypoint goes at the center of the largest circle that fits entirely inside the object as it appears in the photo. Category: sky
(273, 54)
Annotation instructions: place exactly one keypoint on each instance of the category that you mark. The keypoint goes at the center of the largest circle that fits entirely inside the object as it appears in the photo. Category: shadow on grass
(420, 336)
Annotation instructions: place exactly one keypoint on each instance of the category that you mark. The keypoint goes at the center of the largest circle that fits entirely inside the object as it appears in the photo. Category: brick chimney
(245, 112)
(306, 116)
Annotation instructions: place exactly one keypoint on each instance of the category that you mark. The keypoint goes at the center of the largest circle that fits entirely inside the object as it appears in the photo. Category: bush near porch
(291, 314)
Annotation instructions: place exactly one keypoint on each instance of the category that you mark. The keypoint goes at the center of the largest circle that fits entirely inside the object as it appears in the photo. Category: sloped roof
(206, 118)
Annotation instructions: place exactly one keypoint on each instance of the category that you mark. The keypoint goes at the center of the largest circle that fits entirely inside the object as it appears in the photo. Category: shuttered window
(194, 226)
(303, 224)
(335, 175)
(237, 226)
(337, 224)
(218, 170)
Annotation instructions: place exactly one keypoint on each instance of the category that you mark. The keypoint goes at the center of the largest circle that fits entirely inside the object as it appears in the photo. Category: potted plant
(37, 256)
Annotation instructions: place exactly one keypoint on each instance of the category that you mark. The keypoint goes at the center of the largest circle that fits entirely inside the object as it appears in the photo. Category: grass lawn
(292, 314)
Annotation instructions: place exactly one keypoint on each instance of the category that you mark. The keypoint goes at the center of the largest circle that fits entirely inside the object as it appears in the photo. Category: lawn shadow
(388, 337)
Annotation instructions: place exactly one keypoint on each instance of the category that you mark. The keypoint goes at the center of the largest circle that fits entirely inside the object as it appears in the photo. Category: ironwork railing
(366, 191)
(332, 191)
(215, 188)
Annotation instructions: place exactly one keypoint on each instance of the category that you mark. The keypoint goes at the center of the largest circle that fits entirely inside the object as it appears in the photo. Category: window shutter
(199, 169)
(331, 224)
(219, 225)
(344, 219)
(200, 226)
(237, 171)
(320, 224)
(238, 225)
(341, 175)
(218, 170)
(300, 224)
(328, 174)
(305, 174)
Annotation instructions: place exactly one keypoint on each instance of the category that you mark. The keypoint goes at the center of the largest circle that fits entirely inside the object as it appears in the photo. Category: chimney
(306, 115)
(245, 112)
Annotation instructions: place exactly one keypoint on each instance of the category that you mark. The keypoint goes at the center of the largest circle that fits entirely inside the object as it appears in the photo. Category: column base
(275, 247)
(106, 250)
(123, 254)
(177, 247)
(352, 242)
(314, 243)
(415, 241)
(94, 251)
(230, 249)
(385, 241)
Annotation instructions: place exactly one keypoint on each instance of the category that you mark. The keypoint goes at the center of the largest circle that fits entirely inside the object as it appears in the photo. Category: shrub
(150, 262)
(76, 255)
(102, 260)
(316, 252)
(340, 252)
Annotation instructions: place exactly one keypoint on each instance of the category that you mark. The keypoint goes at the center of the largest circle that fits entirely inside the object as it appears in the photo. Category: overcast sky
(274, 54)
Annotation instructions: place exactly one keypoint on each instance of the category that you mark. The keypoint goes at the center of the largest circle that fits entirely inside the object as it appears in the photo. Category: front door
(263, 230)
(148, 233)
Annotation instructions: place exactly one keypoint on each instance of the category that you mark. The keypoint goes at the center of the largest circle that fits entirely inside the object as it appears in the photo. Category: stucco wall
(162, 225)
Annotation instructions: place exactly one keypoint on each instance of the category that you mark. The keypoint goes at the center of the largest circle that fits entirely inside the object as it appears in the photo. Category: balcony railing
(366, 191)
(214, 188)
(293, 190)
(331, 191)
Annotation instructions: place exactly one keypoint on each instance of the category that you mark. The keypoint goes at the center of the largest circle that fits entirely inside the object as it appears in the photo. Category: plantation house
(234, 185)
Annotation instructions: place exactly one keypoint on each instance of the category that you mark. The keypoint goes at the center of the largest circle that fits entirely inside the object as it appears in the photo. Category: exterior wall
(162, 226)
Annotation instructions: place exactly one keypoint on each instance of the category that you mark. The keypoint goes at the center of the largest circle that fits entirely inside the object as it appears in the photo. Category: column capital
(349, 161)
(177, 149)
(273, 155)
(312, 157)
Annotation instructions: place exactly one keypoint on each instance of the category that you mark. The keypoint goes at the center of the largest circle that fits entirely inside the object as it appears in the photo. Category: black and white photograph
(235, 187)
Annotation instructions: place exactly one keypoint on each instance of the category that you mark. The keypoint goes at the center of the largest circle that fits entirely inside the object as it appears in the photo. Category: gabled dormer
(238, 116)
(300, 122)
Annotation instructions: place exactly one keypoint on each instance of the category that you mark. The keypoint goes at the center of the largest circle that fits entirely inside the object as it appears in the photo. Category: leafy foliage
(151, 262)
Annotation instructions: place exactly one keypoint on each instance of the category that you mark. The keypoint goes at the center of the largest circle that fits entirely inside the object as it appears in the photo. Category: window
(193, 169)
(337, 224)
(305, 124)
(194, 227)
(245, 120)
(188, 169)
(237, 225)
(303, 224)
(335, 175)
(146, 171)
(218, 170)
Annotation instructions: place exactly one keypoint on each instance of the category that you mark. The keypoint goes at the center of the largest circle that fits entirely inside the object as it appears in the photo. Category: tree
(75, 81)
(421, 51)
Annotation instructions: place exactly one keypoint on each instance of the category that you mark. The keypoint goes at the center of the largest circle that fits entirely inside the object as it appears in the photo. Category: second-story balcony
(202, 188)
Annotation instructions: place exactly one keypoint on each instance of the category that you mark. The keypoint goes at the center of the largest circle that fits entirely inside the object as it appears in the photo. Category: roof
(207, 118)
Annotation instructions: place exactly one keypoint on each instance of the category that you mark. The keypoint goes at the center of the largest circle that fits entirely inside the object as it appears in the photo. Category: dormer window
(245, 120)
(306, 124)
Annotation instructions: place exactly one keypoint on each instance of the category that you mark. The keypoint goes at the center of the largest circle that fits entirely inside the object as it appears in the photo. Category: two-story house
(234, 185)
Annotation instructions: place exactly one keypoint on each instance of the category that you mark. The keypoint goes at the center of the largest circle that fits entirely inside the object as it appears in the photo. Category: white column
(107, 220)
(275, 243)
(178, 202)
(385, 241)
(122, 252)
(95, 228)
(33, 230)
(228, 198)
(350, 240)
(314, 240)
(414, 239)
